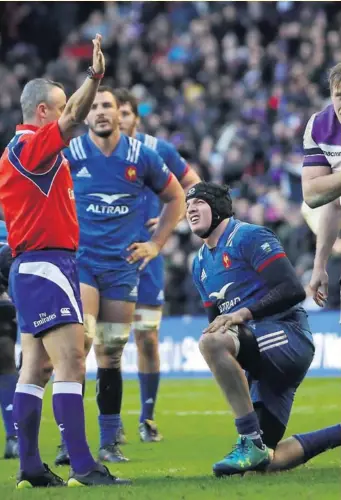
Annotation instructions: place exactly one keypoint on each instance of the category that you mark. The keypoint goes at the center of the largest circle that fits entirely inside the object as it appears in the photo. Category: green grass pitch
(198, 430)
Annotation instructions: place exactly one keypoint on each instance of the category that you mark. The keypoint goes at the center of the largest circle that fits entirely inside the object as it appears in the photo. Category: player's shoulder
(244, 232)
(167, 150)
(148, 140)
(321, 125)
(157, 144)
(20, 137)
(78, 149)
(148, 153)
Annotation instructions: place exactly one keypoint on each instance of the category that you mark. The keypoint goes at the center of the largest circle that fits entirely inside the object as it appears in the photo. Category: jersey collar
(93, 147)
(27, 129)
(228, 230)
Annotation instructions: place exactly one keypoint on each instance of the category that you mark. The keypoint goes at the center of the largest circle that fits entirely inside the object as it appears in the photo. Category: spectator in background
(231, 84)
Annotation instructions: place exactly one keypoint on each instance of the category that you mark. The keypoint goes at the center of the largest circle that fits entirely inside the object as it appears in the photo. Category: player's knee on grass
(288, 454)
(109, 343)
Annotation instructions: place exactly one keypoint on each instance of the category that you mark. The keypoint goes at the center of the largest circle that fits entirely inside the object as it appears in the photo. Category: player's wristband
(93, 75)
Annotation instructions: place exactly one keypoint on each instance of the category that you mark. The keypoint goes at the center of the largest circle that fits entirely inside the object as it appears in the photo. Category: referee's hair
(35, 92)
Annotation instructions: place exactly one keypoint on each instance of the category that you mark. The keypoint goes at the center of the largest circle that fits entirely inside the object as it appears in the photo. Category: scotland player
(321, 180)
(110, 173)
(245, 279)
(8, 336)
(150, 297)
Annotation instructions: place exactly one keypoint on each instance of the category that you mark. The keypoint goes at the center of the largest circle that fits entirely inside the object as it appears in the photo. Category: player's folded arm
(38, 152)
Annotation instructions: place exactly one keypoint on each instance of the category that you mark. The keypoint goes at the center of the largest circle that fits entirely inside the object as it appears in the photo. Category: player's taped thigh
(90, 324)
(147, 319)
(112, 335)
(234, 335)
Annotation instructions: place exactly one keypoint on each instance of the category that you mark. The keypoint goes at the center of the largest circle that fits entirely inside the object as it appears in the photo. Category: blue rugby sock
(108, 426)
(314, 443)
(8, 384)
(149, 384)
(248, 426)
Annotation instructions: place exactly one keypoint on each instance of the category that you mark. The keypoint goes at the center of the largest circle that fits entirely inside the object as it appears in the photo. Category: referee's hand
(98, 61)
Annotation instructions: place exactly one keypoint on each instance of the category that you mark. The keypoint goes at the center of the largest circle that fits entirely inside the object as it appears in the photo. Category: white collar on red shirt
(26, 129)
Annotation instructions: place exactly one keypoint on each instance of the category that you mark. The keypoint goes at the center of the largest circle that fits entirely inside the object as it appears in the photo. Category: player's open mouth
(194, 219)
(102, 122)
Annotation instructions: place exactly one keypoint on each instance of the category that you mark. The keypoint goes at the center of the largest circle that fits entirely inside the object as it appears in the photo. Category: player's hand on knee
(98, 62)
(143, 251)
(318, 286)
(222, 323)
(151, 224)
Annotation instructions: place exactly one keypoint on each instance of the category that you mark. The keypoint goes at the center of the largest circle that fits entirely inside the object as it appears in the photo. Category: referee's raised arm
(79, 104)
(53, 120)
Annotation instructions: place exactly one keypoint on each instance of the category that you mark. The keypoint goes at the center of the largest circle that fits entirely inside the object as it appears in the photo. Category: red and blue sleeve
(157, 175)
(37, 152)
(173, 160)
(262, 248)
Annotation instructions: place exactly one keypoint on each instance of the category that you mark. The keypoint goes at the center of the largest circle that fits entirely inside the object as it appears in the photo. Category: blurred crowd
(230, 84)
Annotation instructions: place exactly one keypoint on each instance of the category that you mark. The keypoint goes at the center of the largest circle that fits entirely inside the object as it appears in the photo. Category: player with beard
(110, 172)
(150, 297)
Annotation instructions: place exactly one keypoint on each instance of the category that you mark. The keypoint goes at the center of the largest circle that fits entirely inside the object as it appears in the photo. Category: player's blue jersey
(228, 275)
(110, 193)
(3, 232)
(174, 162)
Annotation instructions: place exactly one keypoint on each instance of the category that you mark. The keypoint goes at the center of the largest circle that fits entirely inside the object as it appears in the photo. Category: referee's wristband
(93, 75)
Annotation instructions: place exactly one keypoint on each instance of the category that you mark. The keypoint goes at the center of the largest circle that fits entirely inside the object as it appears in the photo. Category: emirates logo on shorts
(131, 174)
(226, 261)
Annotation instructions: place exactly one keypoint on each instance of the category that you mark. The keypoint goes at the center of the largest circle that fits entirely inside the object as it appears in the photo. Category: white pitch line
(188, 413)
